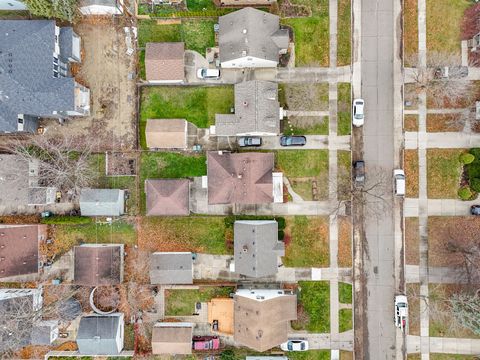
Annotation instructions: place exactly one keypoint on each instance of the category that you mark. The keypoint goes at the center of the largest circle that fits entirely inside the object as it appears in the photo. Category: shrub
(466, 158)
(464, 193)
(475, 152)
(475, 184)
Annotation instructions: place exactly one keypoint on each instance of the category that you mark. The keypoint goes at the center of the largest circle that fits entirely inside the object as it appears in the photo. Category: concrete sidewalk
(438, 207)
(436, 275)
(445, 140)
(314, 75)
(445, 345)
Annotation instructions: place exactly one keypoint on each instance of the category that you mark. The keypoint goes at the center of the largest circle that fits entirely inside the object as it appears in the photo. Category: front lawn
(413, 294)
(181, 302)
(412, 241)
(411, 172)
(344, 242)
(345, 318)
(305, 125)
(307, 232)
(309, 355)
(304, 97)
(443, 173)
(344, 182)
(344, 109)
(314, 307)
(345, 294)
(344, 31)
(410, 32)
(202, 234)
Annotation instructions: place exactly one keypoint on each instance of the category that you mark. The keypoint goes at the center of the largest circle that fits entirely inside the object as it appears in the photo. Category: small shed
(166, 133)
(164, 62)
(101, 334)
(172, 338)
(102, 202)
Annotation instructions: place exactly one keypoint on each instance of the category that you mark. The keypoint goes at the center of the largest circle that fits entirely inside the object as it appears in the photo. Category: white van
(208, 74)
(399, 176)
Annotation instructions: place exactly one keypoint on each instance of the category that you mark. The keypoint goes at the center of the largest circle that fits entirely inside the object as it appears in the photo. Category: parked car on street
(205, 343)
(250, 141)
(295, 345)
(359, 173)
(399, 176)
(401, 311)
(475, 210)
(293, 140)
(358, 112)
(208, 74)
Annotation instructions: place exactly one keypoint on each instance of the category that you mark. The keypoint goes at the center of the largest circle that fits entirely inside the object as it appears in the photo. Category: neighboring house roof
(19, 249)
(171, 268)
(44, 332)
(257, 110)
(251, 32)
(263, 323)
(242, 178)
(172, 338)
(27, 85)
(166, 133)
(257, 248)
(102, 202)
(167, 197)
(165, 61)
(97, 334)
(98, 265)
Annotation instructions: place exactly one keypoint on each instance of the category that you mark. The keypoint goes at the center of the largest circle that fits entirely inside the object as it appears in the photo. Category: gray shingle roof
(257, 247)
(171, 268)
(96, 334)
(27, 85)
(252, 31)
(257, 110)
(102, 202)
(41, 332)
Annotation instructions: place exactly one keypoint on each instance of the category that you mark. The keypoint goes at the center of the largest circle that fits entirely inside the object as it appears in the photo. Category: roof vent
(245, 103)
(245, 248)
(244, 31)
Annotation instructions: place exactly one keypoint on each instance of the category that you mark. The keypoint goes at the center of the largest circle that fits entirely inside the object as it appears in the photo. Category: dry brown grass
(412, 239)
(413, 293)
(444, 122)
(346, 355)
(410, 122)
(411, 172)
(344, 242)
(411, 95)
(410, 30)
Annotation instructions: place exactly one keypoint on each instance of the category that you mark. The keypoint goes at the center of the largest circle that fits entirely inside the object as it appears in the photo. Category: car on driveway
(293, 140)
(358, 112)
(401, 311)
(205, 343)
(295, 345)
(359, 173)
(249, 141)
(475, 210)
(208, 74)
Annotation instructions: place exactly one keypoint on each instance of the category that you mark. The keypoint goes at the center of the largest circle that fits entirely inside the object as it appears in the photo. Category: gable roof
(257, 247)
(242, 178)
(102, 202)
(166, 133)
(171, 268)
(167, 197)
(257, 110)
(19, 249)
(165, 61)
(251, 32)
(263, 324)
(27, 85)
(98, 264)
(97, 334)
(172, 338)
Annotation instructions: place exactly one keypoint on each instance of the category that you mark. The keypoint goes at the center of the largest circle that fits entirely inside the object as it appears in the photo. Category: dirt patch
(20, 219)
(410, 122)
(344, 242)
(412, 240)
(411, 172)
(445, 122)
(121, 164)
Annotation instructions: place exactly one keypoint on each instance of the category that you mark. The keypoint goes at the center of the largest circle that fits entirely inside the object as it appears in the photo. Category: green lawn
(150, 31)
(344, 109)
(344, 31)
(195, 104)
(198, 35)
(314, 299)
(344, 183)
(197, 5)
(443, 173)
(306, 125)
(309, 355)
(304, 97)
(141, 64)
(345, 318)
(345, 293)
(307, 232)
(181, 302)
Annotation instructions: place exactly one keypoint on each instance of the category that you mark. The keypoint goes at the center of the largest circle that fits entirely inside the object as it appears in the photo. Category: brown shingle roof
(19, 249)
(98, 265)
(172, 338)
(166, 133)
(243, 178)
(164, 61)
(168, 197)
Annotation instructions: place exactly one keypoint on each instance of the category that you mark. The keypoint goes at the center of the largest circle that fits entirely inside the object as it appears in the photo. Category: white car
(358, 112)
(401, 311)
(295, 345)
(208, 74)
(399, 176)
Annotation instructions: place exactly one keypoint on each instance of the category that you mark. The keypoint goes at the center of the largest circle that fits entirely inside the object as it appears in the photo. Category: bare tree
(62, 162)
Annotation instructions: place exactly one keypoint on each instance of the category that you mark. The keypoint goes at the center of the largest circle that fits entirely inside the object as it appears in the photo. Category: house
(96, 265)
(35, 78)
(101, 334)
(164, 62)
(262, 317)
(167, 197)
(171, 268)
(250, 38)
(12, 5)
(101, 7)
(102, 202)
(242, 178)
(19, 250)
(257, 111)
(172, 338)
(166, 134)
(257, 248)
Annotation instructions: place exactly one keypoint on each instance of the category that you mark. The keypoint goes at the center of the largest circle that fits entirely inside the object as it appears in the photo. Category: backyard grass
(304, 97)
(309, 355)
(344, 33)
(150, 31)
(198, 35)
(197, 105)
(412, 240)
(344, 164)
(440, 36)
(345, 319)
(413, 293)
(197, 5)
(314, 301)
(344, 242)
(305, 125)
(345, 294)
(141, 64)
(344, 109)
(202, 234)
(302, 167)
(410, 162)
(443, 173)
(410, 122)
(181, 302)
(307, 232)
(410, 32)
